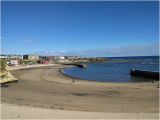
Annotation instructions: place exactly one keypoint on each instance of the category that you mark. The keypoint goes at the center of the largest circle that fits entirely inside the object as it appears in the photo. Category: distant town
(29, 59)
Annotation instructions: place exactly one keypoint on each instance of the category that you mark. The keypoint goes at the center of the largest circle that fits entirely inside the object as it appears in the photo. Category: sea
(117, 69)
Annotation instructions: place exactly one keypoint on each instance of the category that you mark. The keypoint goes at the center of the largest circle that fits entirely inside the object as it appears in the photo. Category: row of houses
(16, 57)
(15, 60)
(11, 56)
(36, 57)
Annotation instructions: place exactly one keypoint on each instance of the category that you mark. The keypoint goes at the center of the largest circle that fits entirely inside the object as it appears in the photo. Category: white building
(14, 62)
(2, 56)
(11, 56)
(16, 57)
(31, 57)
(63, 61)
(61, 57)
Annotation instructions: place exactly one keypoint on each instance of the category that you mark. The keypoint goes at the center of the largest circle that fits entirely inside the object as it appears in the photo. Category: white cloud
(132, 50)
(51, 52)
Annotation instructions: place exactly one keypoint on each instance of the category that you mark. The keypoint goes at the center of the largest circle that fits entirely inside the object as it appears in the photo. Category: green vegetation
(28, 62)
(83, 60)
(97, 59)
(3, 64)
(5, 76)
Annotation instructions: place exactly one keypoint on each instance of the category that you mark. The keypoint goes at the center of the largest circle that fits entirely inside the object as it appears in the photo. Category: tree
(3, 64)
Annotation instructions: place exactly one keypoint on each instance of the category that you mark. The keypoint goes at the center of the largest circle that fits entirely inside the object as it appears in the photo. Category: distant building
(11, 57)
(16, 57)
(45, 62)
(59, 57)
(63, 61)
(14, 62)
(3, 57)
(31, 57)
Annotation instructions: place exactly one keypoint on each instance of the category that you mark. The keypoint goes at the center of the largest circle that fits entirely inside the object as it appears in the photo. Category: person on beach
(73, 81)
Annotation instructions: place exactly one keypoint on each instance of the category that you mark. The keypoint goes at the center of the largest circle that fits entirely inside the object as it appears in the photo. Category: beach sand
(46, 90)
(23, 112)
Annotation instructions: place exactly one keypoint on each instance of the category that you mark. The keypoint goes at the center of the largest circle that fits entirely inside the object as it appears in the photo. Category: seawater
(116, 70)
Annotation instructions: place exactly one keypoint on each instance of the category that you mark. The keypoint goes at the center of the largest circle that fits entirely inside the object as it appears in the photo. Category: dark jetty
(144, 73)
(76, 64)
(81, 65)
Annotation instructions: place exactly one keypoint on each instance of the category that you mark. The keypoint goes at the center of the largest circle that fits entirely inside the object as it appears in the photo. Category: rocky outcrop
(6, 76)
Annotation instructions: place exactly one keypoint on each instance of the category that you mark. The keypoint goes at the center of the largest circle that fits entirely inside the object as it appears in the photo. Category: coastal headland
(44, 88)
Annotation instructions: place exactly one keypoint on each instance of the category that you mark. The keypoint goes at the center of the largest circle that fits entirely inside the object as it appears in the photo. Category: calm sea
(117, 70)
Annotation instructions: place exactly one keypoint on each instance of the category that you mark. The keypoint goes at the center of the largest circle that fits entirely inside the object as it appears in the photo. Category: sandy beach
(45, 90)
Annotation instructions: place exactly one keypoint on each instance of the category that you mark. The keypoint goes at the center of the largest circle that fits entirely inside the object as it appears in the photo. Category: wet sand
(48, 88)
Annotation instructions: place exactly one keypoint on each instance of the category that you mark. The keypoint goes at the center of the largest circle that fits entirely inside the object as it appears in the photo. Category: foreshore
(43, 89)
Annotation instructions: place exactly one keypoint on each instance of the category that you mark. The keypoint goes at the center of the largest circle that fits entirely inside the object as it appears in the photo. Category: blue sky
(80, 28)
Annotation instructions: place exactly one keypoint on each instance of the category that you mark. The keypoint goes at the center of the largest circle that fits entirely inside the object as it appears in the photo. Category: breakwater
(144, 73)
(112, 71)
(76, 64)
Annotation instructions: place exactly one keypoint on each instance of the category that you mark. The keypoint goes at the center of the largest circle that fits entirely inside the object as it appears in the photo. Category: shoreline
(105, 82)
(29, 66)
(92, 96)
(146, 81)
(72, 77)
